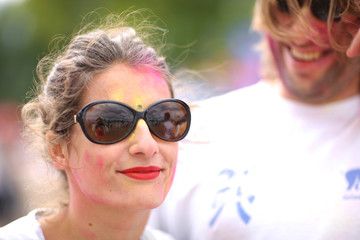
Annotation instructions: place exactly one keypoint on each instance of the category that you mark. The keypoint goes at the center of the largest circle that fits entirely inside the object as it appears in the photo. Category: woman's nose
(143, 143)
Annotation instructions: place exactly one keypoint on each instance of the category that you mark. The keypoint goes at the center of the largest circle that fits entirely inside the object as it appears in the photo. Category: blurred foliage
(197, 30)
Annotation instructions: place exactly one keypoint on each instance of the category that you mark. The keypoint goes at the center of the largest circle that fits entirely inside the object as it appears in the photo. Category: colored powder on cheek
(99, 199)
(319, 32)
(100, 162)
(86, 157)
(275, 50)
(81, 178)
(168, 183)
(89, 234)
(173, 174)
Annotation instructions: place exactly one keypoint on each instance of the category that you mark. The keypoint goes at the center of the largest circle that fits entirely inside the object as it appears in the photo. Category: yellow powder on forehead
(117, 94)
(146, 84)
(138, 100)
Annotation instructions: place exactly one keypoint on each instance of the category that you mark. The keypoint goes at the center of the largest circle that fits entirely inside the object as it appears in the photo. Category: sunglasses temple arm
(75, 121)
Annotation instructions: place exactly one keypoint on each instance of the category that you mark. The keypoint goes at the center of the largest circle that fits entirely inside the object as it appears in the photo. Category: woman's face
(97, 172)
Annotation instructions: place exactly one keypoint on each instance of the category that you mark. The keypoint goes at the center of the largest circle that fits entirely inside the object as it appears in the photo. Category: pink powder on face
(173, 174)
(275, 52)
(100, 162)
(168, 184)
(89, 234)
(86, 157)
(151, 73)
(319, 32)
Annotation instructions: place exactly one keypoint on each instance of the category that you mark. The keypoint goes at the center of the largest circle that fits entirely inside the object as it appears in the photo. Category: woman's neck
(95, 221)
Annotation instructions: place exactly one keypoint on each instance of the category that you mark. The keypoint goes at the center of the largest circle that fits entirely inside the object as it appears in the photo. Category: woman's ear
(57, 151)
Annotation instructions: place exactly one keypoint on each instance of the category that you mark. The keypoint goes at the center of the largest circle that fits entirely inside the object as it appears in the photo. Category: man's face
(310, 69)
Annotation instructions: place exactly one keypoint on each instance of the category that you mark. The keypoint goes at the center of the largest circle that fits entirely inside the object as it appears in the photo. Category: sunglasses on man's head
(319, 8)
(106, 122)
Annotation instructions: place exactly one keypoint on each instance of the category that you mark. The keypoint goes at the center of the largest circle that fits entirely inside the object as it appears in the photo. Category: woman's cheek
(100, 162)
(170, 180)
(89, 168)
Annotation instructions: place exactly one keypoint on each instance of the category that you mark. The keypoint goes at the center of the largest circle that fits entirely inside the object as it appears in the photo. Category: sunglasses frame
(80, 118)
(319, 14)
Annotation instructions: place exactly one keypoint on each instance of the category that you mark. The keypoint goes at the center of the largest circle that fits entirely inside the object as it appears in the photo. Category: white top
(258, 166)
(28, 228)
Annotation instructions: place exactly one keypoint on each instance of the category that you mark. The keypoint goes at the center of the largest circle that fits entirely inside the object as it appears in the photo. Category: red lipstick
(142, 173)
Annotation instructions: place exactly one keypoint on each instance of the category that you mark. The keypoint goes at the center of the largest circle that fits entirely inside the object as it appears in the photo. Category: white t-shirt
(258, 166)
(28, 228)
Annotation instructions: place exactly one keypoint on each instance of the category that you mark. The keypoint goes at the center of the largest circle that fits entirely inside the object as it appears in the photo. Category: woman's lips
(142, 173)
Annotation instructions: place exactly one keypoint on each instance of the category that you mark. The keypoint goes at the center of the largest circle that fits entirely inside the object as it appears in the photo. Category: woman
(107, 119)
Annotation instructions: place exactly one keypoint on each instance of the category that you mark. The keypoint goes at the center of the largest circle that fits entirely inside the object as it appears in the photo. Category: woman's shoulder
(26, 227)
(154, 234)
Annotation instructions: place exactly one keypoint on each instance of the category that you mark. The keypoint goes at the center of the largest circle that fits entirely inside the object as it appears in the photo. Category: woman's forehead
(134, 86)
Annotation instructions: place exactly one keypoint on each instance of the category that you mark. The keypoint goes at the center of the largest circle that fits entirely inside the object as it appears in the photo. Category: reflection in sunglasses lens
(167, 120)
(108, 122)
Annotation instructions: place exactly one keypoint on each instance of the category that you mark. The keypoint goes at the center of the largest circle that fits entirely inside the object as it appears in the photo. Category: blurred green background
(202, 33)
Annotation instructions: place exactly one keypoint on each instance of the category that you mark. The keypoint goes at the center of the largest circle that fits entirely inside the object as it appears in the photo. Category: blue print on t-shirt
(231, 186)
(353, 179)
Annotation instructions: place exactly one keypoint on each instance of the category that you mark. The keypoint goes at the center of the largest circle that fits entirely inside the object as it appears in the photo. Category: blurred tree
(197, 30)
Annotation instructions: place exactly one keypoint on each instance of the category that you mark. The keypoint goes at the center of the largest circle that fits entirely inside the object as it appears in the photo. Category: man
(279, 159)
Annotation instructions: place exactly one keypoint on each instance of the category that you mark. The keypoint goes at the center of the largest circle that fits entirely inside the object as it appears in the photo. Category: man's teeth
(309, 56)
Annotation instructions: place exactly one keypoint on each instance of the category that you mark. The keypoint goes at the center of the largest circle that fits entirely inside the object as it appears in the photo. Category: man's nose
(308, 28)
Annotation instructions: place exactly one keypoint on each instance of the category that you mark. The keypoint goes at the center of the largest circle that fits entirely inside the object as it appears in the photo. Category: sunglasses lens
(320, 9)
(108, 122)
(282, 6)
(168, 120)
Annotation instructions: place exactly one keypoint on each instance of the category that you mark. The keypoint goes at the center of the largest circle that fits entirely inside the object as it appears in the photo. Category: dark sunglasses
(107, 122)
(319, 8)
